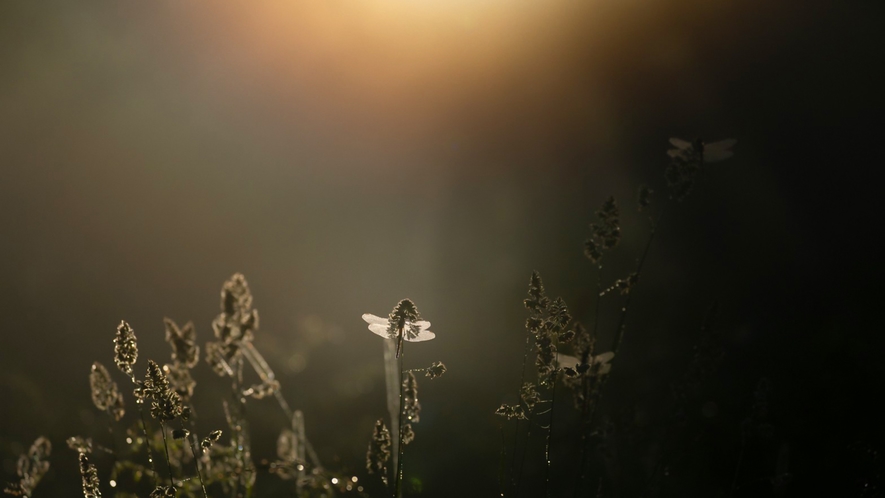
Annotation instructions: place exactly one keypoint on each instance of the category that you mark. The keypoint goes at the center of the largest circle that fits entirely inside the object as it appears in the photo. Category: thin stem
(585, 402)
(525, 354)
(196, 460)
(737, 469)
(502, 459)
(147, 443)
(525, 450)
(111, 432)
(166, 446)
(399, 463)
(549, 436)
(623, 318)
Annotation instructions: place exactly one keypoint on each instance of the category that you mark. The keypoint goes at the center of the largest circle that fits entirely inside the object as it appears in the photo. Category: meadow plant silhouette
(567, 356)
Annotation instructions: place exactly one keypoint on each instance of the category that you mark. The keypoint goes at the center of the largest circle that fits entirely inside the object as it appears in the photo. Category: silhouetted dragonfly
(381, 326)
(602, 360)
(707, 152)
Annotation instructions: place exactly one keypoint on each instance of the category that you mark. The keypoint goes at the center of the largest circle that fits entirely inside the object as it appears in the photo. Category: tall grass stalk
(400, 444)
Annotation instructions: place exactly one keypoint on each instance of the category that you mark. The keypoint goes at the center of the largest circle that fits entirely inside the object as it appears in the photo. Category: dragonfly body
(411, 332)
(706, 152)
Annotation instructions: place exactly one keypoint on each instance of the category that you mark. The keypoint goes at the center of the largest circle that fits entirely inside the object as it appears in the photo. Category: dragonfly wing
(716, 156)
(680, 143)
(721, 144)
(424, 335)
(379, 329)
(718, 151)
(604, 357)
(423, 324)
(370, 319)
(566, 361)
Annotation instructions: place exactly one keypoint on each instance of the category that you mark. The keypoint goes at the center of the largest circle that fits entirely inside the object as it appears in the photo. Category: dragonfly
(381, 326)
(709, 152)
(567, 361)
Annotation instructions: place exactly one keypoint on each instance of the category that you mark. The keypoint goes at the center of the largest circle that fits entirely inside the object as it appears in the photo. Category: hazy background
(346, 154)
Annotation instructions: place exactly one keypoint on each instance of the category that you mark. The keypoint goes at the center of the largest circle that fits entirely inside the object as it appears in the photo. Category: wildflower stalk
(196, 458)
(400, 450)
(166, 446)
(525, 355)
(585, 390)
(623, 318)
(266, 374)
(549, 435)
(502, 459)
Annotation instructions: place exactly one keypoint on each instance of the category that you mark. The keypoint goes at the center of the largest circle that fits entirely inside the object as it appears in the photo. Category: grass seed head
(125, 348)
(379, 450)
(89, 476)
(105, 394)
(183, 341)
(435, 370)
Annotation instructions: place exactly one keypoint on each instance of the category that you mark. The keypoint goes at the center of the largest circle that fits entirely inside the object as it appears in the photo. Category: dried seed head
(435, 370)
(89, 476)
(408, 434)
(404, 315)
(180, 380)
(80, 444)
(529, 395)
(31, 468)
(183, 342)
(411, 406)
(263, 390)
(379, 450)
(219, 356)
(606, 234)
(235, 295)
(237, 320)
(125, 349)
(166, 403)
(537, 301)
(211, 439)
(105, 394)
(511, 412)
(623, 285)
(163, 492)
(558, 317)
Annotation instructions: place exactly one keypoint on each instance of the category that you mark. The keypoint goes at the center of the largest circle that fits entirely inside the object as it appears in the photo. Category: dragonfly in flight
(411, 332)
(707, 152)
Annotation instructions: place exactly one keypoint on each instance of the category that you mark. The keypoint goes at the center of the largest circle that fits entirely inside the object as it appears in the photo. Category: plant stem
(147, 443)
(525, 354)
(585, 402)
(623, 318)
(525, 450)
(502, 459)
(166, 445)
(737, 469)
(196, 461)
(549, 436)
(400, 451)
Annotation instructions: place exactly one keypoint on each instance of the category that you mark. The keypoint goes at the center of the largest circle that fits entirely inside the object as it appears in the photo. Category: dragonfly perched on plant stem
(412, 332)
(707, 152)
(600, 362)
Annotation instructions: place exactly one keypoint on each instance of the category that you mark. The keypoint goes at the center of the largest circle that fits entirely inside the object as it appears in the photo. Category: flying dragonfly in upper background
(708, 152)
(381, 326)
